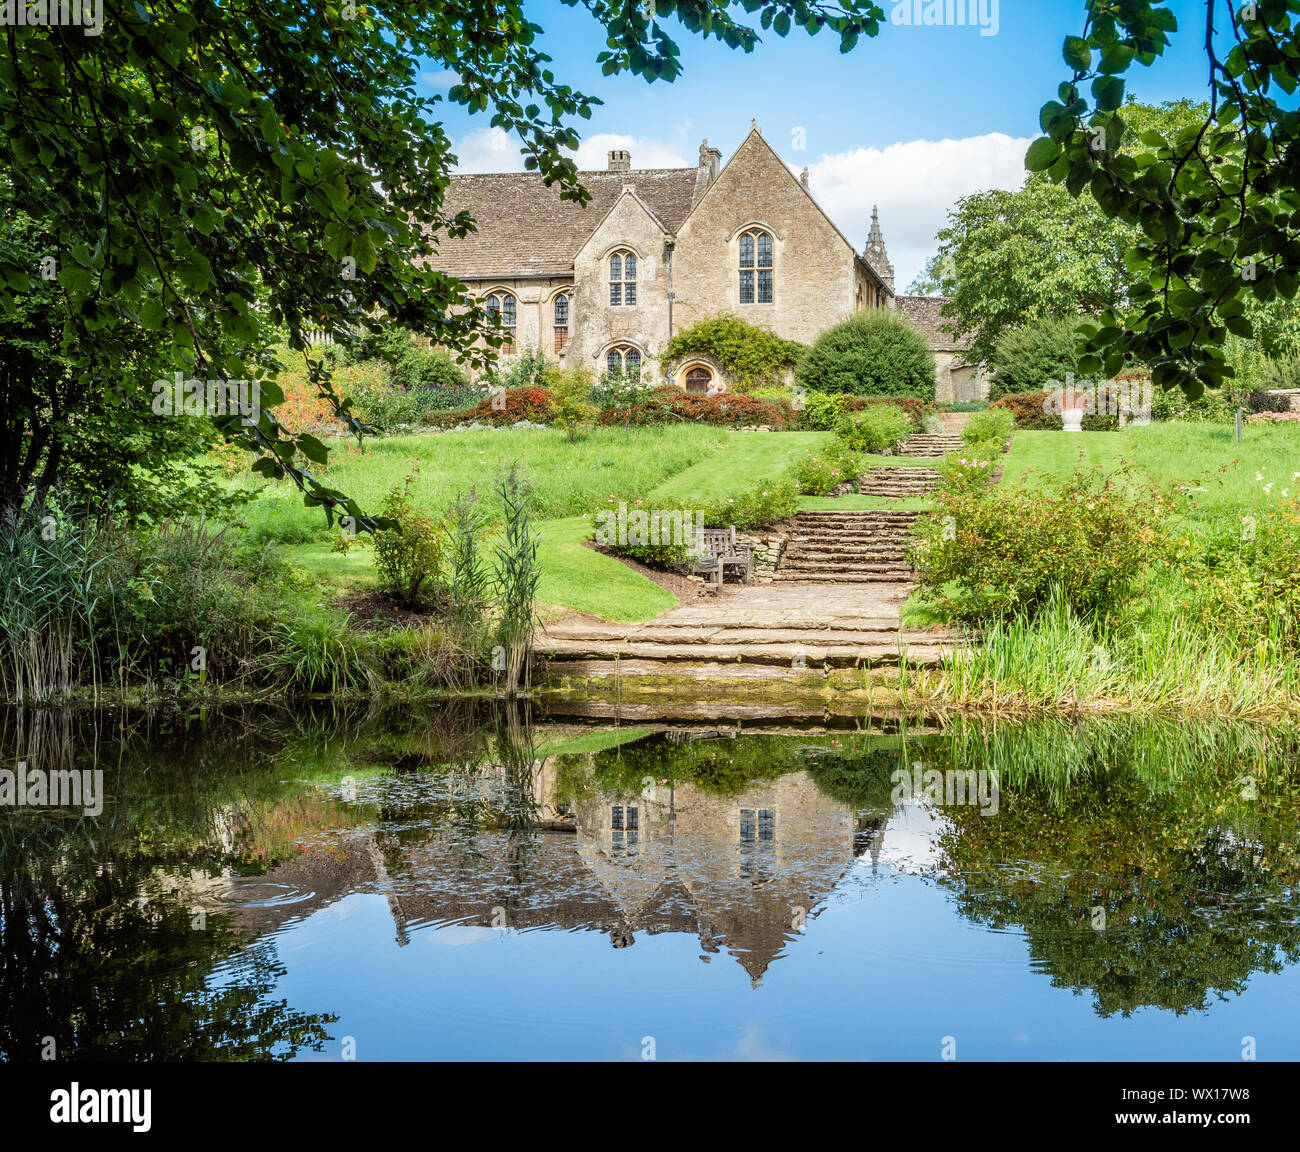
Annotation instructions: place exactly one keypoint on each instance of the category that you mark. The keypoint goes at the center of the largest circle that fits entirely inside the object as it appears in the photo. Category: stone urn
(1074, 407)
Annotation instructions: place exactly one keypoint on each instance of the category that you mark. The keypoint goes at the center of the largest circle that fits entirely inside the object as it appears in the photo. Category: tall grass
(1159, 661)
(517, 575)
(49, 568)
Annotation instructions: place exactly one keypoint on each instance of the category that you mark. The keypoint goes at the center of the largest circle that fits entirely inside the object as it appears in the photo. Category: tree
(1216, 203)
(210, 174)
(1012, 258)
(870, 354)
(99, 446)
(1029, 358)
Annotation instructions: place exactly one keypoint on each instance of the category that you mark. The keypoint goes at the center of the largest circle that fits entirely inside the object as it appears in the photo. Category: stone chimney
(875, 251)
(620, 160)
(707, 172)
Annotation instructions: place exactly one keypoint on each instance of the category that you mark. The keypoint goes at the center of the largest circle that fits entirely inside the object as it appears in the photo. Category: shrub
(1029, 358)
(571, 410)
(992, 424)
(1028, 411)
(990, 450)
(668, 405)
(516, 404)
(1263, 402)
(762, 505)
(527, 369)
(759, 507)
(751, 357)
(819, 474)
(408, 559)
(1283, 372)
(1088, 537)
(1247, 586)
(822, 412)
(876, 429)
(1212, 407)
(875, 353)
(962, 471)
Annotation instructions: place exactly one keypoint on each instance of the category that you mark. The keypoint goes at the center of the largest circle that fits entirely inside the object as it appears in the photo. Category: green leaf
(1077, 54)
(1042, 152)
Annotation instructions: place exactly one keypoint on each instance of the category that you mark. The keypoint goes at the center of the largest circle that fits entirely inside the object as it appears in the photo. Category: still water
(471, 884)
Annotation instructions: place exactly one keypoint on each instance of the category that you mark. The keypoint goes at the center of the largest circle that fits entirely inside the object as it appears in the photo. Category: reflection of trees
(1195, 883)
(111, 976)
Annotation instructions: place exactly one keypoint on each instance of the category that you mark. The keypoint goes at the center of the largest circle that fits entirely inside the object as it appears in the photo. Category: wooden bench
(719, 551)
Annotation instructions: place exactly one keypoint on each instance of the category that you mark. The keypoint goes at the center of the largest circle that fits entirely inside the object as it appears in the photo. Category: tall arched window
(623, 360)
(622, 278)
(561, 321)
(756, 267)
(501, 308)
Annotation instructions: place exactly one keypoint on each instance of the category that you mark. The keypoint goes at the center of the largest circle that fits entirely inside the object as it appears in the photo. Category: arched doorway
(698, 379)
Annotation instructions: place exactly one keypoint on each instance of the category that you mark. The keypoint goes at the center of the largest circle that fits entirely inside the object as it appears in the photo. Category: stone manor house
(658, 249)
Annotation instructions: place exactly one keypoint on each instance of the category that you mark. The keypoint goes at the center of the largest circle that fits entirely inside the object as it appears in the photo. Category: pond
(474, 883)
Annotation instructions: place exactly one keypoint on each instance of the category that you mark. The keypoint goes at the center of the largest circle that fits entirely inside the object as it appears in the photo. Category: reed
(516, 580)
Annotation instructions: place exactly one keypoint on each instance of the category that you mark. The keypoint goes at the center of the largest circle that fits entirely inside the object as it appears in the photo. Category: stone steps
(918, 650)
(931, 445)
(863, 547)
(899, 482)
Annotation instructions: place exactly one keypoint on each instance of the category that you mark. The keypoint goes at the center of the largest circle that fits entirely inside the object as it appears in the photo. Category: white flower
(1269, 486)
(1259, 475)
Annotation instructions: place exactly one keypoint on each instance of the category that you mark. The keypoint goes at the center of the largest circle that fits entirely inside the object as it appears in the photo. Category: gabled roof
(755, 134)
(525, 229)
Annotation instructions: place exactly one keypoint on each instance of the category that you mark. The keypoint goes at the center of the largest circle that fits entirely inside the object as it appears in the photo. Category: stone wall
(814, 280)
(597, 323)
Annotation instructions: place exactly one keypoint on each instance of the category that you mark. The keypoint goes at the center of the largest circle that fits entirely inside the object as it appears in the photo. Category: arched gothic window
(561, 321)
(622, 278)
(756, 267)
(501, 307)
(623, 360)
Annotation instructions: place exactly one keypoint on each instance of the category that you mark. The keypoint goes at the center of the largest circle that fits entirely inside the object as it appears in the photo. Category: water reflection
(1144, 865)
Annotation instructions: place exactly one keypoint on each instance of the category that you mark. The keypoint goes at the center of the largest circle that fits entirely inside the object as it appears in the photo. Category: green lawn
(744, 460)
(567, 479)
(669, 467)
(1211, 475)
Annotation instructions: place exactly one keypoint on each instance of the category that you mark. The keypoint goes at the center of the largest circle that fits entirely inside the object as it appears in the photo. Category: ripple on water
(255, 893)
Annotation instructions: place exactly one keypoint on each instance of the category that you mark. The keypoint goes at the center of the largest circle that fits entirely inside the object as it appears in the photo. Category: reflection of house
(740, 872)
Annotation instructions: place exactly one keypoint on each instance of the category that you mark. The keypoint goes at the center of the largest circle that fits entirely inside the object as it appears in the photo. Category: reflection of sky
(885, 971)
(909, 842)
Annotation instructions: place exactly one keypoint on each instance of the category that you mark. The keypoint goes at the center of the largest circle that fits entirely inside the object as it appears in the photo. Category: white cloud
(444, 79)
(915, 183)
(494, 150)
(488, 150)
(593, 153)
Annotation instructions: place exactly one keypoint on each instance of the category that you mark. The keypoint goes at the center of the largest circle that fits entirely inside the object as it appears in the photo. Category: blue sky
(910, 120)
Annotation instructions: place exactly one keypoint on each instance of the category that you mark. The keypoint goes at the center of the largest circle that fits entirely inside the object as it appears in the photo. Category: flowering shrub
(819, 474)
(1089, 536)
(763, 505)
(1245, 582)
(961, 471)
(1273, 417)
(668, 405)
(533, 404)
(875, 429)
